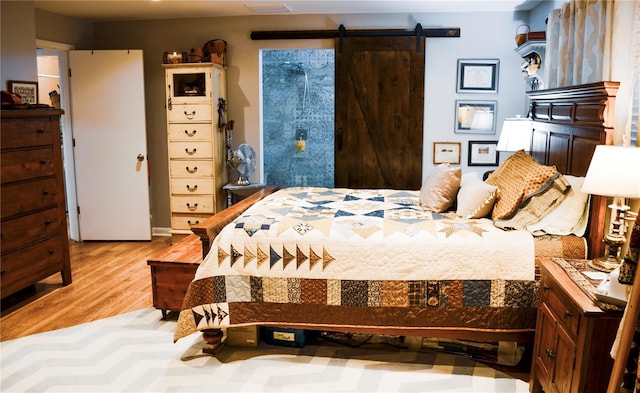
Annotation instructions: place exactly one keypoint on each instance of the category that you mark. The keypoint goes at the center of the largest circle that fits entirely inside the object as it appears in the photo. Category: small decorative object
(521, 34)
(613, 172)
(28, 91)
(632, 257)
(215, 51)
(483, 153)
(244, 161)
(477, 76)
(174, 57)
(196, 55)
(446, 152)
(475, 117)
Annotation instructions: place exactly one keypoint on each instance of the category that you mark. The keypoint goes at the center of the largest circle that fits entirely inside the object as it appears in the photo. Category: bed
(406, 262)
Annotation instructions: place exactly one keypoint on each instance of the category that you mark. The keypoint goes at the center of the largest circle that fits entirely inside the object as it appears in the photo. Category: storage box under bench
(171, 272)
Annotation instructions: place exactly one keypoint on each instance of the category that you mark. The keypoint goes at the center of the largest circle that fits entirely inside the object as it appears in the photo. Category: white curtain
(596, 40)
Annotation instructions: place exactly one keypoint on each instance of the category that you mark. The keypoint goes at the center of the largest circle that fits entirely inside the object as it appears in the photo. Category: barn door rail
(343, 33)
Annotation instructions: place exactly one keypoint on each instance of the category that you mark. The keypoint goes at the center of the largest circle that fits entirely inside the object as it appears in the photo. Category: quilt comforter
(368, 258)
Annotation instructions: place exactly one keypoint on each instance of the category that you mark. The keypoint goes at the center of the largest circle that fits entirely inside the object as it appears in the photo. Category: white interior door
(108, 119)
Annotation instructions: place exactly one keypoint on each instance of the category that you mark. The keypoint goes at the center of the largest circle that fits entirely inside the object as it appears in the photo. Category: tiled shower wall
(288, 109)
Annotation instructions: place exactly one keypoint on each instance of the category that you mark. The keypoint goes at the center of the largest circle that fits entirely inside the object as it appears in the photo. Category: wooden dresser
(573, 337)
(34, 238)
(195, 94)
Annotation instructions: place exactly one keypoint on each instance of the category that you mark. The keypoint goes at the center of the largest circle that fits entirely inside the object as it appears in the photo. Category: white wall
(18, 42)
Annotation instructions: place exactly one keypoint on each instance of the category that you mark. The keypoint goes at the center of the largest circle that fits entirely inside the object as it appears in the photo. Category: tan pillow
(518, 178)
(438, 192)
(475, 197)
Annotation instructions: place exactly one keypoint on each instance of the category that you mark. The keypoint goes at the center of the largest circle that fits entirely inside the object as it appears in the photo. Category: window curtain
(590, 41)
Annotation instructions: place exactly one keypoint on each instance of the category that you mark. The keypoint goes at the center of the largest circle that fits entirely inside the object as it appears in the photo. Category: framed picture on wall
(28, 91)
(483, 153)
(477, 75)
(476, 117)
(446, 152)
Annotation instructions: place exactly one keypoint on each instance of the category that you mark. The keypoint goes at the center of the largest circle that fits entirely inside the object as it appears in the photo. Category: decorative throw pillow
(517, 179)
(536, 206)
(569, 217)
(475, 197)
(438, 192)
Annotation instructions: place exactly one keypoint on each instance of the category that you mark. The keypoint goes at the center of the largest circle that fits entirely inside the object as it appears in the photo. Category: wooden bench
(171, 272)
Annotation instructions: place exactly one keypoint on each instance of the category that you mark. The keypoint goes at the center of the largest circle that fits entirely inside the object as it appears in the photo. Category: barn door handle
(339, 139)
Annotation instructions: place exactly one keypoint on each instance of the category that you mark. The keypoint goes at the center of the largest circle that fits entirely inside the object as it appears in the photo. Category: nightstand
(573, 334)
(236, 193)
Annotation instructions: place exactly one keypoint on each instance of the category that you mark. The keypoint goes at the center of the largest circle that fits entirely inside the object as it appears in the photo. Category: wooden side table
(171, 272)
(573, 335)
(236, 193)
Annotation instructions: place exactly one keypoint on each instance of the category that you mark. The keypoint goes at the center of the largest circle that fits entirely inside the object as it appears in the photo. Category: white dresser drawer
(189, 132)
(185, 221)
(196, 113)
(190, 150)
(195, 186)
(191, 168)
(192, 204)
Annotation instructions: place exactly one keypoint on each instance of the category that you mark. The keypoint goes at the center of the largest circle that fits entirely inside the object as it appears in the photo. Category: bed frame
(568, 123)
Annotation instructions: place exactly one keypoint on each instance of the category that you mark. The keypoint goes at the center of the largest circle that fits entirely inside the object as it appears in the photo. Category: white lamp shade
(515, 135)
(614, 171)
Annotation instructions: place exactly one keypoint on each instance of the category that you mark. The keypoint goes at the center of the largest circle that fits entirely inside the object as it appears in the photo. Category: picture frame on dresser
(27, 90)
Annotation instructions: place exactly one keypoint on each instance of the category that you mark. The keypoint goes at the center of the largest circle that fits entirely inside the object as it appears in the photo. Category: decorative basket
(521, 34)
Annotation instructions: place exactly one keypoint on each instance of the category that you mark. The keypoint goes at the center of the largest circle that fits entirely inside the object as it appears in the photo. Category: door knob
(140, 157)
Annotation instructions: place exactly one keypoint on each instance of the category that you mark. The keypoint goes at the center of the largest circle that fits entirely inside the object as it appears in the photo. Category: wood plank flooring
(109, 278)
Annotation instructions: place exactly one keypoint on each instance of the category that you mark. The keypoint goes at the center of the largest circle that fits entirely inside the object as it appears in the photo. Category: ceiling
(115, 10)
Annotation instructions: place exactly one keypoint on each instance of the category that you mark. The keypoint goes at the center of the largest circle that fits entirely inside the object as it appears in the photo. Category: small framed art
(477, 75)
(483, 153)
(28, 91)
(446, 152)
(476, 117)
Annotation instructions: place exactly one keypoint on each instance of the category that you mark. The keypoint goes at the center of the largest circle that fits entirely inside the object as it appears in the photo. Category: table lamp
(515, 135)
(614, 172)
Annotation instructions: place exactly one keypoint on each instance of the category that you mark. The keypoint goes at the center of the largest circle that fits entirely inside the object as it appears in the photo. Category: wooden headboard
(568, 123)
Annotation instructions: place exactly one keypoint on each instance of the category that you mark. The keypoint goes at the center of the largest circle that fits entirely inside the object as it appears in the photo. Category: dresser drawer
(185, 221)
(26, 132)
(196, 186)
(566, 312)
(192, 204)
(195, 113)
(28, 265)
(27, 164)
(189, 132)
(28, 196)
(26, 229)
(190, 150)
(191, 169)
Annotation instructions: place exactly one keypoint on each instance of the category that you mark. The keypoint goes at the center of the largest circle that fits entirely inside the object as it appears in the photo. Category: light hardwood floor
(109, 278)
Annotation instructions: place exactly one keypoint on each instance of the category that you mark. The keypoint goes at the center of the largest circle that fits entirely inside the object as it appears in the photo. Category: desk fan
(244, 161)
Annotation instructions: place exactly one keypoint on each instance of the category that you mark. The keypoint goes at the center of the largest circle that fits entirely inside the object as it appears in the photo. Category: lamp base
(604, 264)
(611, 258)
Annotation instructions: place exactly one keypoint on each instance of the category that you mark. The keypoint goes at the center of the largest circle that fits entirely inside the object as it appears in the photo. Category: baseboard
(159, 231)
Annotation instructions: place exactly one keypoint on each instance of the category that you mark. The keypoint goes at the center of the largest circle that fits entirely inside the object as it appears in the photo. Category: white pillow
(569, 217)
(438, 192)
(475, 197)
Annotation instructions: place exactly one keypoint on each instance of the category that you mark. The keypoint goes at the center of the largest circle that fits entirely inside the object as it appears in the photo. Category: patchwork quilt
(342, 257)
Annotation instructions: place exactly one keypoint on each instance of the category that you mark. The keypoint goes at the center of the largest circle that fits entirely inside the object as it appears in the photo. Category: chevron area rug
(134, 352)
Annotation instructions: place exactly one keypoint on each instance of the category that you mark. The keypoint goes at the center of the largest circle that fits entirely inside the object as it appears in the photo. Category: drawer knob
(51, 252)
(45, 192)
(550, 354)
(194, 207)
(546, 288)
(193, 223)
(194, 170)
(192, 133)
(190, 152)
(43, 162)
(567, 314)
(47, 221)
(40, 131)
(194, 188)
(190, 115)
